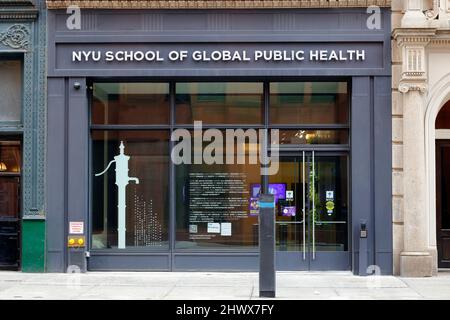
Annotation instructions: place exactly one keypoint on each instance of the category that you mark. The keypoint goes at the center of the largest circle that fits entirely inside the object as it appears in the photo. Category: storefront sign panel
(201, 56)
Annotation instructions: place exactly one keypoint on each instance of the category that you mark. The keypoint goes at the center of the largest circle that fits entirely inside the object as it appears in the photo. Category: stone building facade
(421, 87)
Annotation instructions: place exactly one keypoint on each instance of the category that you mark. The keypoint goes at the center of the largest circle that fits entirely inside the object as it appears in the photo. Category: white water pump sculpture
(122, 180)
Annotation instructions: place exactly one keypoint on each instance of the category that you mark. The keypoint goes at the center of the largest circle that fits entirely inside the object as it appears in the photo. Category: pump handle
(109, 165)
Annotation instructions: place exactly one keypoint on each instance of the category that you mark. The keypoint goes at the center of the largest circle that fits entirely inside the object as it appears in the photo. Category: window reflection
(130, 103)
(10, 159)
(219, 102)
(11, 90)
(314, 136)
(309, 103)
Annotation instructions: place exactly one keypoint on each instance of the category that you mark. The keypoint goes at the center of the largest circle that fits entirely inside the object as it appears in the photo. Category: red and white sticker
(76, 227)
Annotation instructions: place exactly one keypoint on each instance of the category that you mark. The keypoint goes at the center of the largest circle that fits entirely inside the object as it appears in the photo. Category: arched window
(443, 118)
(443, 186)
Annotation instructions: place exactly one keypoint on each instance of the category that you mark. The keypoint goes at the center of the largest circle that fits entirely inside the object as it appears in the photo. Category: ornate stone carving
(405, 87)
(433, 13)
(414, 62)
(16, 37)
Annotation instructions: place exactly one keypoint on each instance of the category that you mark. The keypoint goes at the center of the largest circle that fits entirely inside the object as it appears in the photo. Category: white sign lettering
(156, 56)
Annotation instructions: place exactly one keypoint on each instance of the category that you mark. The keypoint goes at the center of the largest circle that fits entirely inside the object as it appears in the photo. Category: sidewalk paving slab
(215, 286)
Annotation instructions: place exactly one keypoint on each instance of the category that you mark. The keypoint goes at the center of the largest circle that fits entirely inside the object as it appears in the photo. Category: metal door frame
(332, 260)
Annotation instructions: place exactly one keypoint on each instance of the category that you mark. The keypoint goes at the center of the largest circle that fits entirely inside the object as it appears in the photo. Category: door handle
(304, 207)
(313, 206)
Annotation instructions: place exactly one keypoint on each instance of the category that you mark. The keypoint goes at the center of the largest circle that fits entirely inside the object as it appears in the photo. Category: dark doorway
(443, 202)
(443, 189)
(10, 199)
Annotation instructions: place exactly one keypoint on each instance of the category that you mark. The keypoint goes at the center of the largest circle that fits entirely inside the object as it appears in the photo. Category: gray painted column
(56, 175)
(77, 163)
(361, 168)
(382, 146)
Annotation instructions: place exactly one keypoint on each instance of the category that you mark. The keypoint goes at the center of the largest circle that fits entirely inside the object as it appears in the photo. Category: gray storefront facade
(124, 82)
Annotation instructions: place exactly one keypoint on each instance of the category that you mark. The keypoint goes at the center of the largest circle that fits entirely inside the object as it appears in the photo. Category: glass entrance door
(312, 218)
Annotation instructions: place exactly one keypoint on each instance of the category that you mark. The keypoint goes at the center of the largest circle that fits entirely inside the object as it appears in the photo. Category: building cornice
(18, 10)
(18, 14)
(214, 4)
(440, 41)
(442, 38)
(16, 3)
(414, 35)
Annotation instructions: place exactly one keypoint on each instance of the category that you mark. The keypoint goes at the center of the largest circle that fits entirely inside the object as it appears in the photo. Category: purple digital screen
(277, 189)
(288, 211)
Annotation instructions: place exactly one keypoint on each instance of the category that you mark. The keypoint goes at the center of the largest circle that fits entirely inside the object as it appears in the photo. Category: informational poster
(289, 195)
(253, 207)
(213, 227)
(193, 228)
(217, 197)
(330, 205)
(330, 195)
(215, 201)
(225, 230)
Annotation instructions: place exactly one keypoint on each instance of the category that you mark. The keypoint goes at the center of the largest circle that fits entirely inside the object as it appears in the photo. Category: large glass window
(443, 118)
(309, 103)
(10, 90)
(146, 193)
(10, 164)
(130, 103)
(219, 102)
(214, 204)
(10, 157)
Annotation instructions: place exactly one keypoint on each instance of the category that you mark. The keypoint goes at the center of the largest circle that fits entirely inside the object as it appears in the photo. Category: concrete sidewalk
(202, 286)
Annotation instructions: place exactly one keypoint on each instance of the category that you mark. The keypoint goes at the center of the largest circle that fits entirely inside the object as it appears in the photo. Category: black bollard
(267, 246)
